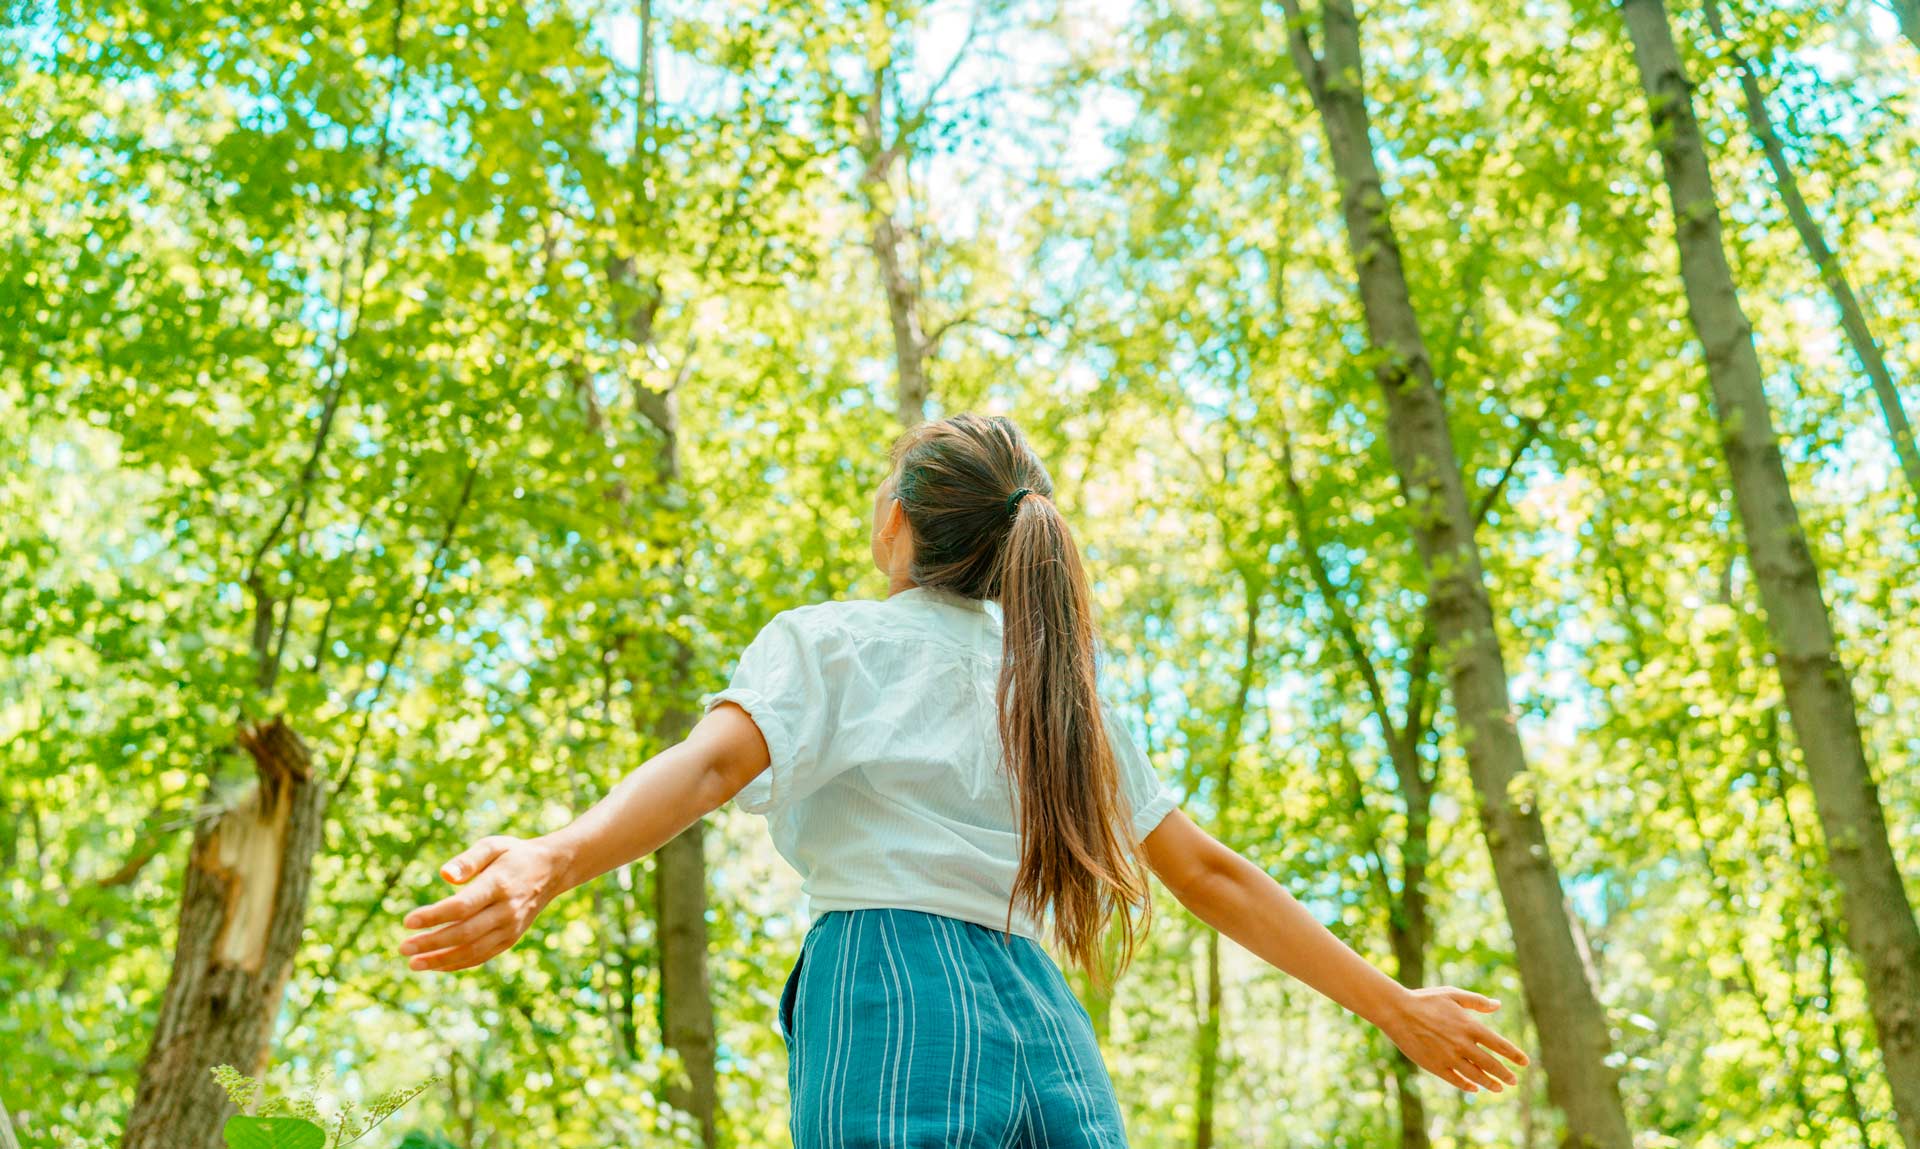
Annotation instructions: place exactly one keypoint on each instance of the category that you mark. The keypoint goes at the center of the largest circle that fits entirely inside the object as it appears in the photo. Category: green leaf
(273, 1133)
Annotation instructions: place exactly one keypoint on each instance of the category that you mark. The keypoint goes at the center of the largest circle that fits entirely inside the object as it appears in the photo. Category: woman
(941, 770)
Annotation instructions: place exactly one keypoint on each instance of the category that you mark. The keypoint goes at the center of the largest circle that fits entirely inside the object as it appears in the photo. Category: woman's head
(944, 513)
(952, 515)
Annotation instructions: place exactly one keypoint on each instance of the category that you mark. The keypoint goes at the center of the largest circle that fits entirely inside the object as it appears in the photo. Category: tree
(1572, 1026)
(1819, 695)
(1826, 261)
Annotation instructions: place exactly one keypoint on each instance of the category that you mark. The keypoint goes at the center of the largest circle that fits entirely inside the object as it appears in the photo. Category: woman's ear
(896, 538)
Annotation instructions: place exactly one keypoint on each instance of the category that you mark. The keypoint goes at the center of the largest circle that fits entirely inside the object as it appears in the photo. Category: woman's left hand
(1437, 1029)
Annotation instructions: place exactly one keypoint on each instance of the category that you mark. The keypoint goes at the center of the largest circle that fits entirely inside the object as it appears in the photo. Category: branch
(973, 317)
(1529, 432)
(417, 846)
(1419, 675)
(1369, 832)
(336, 361)
(884, 152)
(152, 837)
(1311, 69)
(415, 608)
(1343, 624)
(340, 336)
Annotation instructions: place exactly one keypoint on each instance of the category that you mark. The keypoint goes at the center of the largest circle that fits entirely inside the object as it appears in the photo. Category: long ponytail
(977, 534)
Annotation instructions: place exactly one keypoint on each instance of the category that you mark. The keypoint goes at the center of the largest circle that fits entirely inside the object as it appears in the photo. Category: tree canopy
(464, 385)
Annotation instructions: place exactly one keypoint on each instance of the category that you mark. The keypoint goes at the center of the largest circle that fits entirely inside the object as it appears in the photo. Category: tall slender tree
(886, 150)
(1826, 261)
(680, 867)
(1407, 902)
(1819, 693)
(1572, 1025)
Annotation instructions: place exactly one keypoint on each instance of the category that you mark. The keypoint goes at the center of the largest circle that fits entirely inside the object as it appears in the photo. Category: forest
(1485, 425)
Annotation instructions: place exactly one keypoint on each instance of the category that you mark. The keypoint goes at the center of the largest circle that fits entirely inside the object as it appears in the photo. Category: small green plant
(296, 1120)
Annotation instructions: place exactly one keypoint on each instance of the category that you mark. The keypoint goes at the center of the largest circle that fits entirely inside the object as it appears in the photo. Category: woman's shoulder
(829, 614)
(857, 622)
(832, 620)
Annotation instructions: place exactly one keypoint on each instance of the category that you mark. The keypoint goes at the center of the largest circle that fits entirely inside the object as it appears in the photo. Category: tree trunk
(1853, 318)
(1408, 928)
(680, 881)
(241, 915)
(1096, 992)
(910, 343)
(1573, 1029)
(680, 915)
(1819, 694)
(1207, 1049)
(680, 868)
(686, 1001)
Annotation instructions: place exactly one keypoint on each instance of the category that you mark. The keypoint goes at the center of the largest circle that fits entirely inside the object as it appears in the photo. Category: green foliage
(273, 1133)
(459, 239)
(300, 1120)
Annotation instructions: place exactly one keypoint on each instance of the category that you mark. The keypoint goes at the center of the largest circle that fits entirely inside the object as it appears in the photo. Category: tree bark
(1408, 927)
(680, 866)
(1833, 275)
(1573, 1028)
(1207, 1049)
(911, 347)
(680, 869)
(686, 999)
(7, 1140)
(241, 915)
(1878, 918)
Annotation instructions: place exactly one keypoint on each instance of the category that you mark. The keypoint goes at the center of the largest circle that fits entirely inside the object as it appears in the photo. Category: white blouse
(885, 788)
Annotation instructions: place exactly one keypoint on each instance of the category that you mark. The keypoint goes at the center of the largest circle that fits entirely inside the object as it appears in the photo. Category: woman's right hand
(507, 881)
(1437, 1029)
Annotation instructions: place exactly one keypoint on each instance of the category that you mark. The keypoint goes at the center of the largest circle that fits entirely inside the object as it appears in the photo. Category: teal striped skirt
(907, 1029)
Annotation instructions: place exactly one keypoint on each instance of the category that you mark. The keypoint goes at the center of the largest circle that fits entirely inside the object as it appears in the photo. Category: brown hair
(958, 480)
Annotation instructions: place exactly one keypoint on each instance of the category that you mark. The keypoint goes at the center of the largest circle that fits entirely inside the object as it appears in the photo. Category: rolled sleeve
(787, 682)
(759, 796)
(1149, 797)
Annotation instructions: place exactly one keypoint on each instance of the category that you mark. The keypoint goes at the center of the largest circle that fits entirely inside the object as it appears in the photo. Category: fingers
(1474, 1001)
(475, 858)
(459, 907)
(1501, 1045)
(1477, 1075)
(1489, 1066)
(471, 954)
(1452, 1077)
(460, 932)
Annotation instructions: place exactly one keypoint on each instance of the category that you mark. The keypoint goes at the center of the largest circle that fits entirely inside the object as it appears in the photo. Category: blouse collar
(942, 595)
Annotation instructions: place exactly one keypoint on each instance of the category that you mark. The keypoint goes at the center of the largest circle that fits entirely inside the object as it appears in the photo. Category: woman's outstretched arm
(508, 881)
(1435, 1027)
